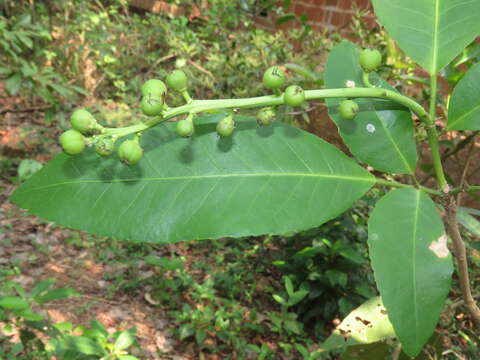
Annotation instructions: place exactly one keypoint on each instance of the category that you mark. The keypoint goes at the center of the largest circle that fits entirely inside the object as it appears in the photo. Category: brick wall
(321, 14)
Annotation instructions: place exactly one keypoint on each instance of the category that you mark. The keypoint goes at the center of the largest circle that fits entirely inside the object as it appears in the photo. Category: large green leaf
(464, 107)
(382, 132)
(432, 32)
(269, 180)
(365, 325)
(411, 263)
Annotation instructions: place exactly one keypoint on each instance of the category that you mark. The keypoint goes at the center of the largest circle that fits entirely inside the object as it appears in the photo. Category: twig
(162, 59)
(461, 257)
(465, 171)
(194, 64)
(397, 351)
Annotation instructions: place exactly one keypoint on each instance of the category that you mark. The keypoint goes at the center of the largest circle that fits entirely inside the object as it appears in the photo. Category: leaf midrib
(414, 252)
(433, 71)
(367, 178)
(463, 116)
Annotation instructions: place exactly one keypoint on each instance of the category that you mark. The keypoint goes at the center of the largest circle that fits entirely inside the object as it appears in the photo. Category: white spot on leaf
(350, 83)
(439, 247)
(370, 128)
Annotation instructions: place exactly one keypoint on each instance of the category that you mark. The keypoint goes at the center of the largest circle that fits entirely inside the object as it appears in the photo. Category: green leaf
(431, 32)
(467, 220)
(57, 294)
(13, 83)
(124, 340)
(186, 330)
(289, 285)
(382, 132)
(263, 180)
(42, 286)
(366, 324)
(83, 345)
(13, 303)
(464, 106)
(411, 263)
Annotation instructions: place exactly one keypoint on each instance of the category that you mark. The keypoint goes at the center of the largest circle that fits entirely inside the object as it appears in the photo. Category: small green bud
(266, 116)
(83, 121)
(177, 80)
(348, 109)
(154, 87)
(226, 126)
(72, 142)
(130, 152)
(294, 95)
(370, 59)
(185, 128)
(151, 105)
(273, 78)
(105, 146)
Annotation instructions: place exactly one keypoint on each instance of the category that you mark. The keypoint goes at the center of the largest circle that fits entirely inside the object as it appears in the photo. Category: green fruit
(273, 78)
(266, 116)
(226, 126)
(348, 109)
(72, 142)
(370, 59)
(154, 87)
(151, 105)
(294, 95)
(105, 146)
(83, 121)
(130, 152)
(185, 128)
(177, 80)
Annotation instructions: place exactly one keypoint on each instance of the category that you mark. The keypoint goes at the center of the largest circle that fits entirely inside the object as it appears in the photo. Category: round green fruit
(83, 121)
(177, 80)
(105, 146)
(151, 105)
(153, 87)
(226, 126)
(130, 152)
(370, 59)
(294, 95)
(273, 78)
(72, 142)
(348, 109)
(266, 116)
(185, 128)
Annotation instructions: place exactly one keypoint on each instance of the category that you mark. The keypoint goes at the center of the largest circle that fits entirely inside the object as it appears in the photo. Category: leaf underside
(382, 132)
(431, 32)
(411, 263)
(272, 180)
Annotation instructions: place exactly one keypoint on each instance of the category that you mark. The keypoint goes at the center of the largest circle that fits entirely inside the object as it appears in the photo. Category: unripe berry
(177, 80)
(130, 152)
(348, 109)
(294, 95)
(83, 121)
(370, 59)
(154, 87)
(273, 78)
(72, 142)
(151, 105)
(266, 116)
(185, 128)
(105, 146)
(226, 126)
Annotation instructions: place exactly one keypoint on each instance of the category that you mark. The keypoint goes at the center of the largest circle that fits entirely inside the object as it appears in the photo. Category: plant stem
(366, 80)
(198, 106)
(461, 257)
(433, 137)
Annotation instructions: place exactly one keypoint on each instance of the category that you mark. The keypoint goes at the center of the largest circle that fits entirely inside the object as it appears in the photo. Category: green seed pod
(83, 121)
(266, 116)
(151, 105)
(226, 126)
(370, 59)
(177, 80)
(105, 146)
(72, 142)
(294, 95)
(185, 128)
(154, 87)
(348, 109)
(273, 78)
(130, 152)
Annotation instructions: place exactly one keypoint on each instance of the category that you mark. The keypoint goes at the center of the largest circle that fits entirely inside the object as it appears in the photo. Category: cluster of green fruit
(86, 131)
